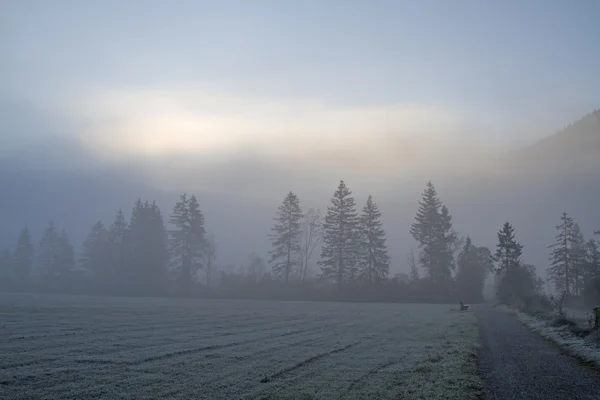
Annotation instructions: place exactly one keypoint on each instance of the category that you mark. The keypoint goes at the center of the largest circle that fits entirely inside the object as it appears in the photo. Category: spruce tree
(146, 250)
(187, 240)
(579, 250)
(49, 252)
(433, 230)
(516, 281)
(94, 256)
(592, 262)
(508, 250)
(285, 237)
(338, 253)
(66, 256)
(412, 265)
(564, 256)
(474, 263)
(23, 257)
(374, 261)
(116, 245)
(6, 268)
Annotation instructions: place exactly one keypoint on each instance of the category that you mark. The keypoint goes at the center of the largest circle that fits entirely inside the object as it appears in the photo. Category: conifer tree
(433, 230)
(474, 263)
(187, 240)
(338, 253)
(374, 261)
(564, 256)
(116, 245)
(515, 279)
(285, 236)
(23, 257)
(592, 264)
(6, 268)
(94, 256)
(147, 252)
(49, 252)
(508, 250)
(412, 265)
(65, 256)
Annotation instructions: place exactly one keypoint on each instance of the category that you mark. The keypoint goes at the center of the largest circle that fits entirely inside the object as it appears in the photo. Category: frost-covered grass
(586, 348)
(84, 347)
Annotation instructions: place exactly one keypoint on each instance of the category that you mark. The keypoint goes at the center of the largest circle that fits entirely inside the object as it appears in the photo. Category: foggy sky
(103, 102)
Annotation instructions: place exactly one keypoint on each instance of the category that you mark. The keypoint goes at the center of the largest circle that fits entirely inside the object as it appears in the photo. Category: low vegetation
(91, 347)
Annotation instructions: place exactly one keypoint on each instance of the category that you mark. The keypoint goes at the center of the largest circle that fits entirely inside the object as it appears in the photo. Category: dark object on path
(463, 306)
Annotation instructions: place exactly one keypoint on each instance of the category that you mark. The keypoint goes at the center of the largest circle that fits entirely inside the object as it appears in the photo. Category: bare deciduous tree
(210, 256)
(312, 235)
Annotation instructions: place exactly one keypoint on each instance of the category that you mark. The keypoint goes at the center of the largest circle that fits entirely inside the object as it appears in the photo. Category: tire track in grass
(306, 361)
(213, 347)
(368, 375)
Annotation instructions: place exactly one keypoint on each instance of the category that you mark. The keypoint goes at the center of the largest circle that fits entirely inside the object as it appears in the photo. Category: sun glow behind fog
(159, 123)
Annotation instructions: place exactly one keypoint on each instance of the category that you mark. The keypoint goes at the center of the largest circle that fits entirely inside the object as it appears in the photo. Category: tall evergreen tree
(116, 245)
(49, 252)
(65, 256)
(94, 257)
(592, 264)
(23, 257)
(338, 253)
(412, 265)
(146, 242)
(515, 279)
(286, 236)
(433, 230)
(6, 268)
(565, 256)
(187, 240)
(374, 261)
(474, 263)
(508, 250)
(579, 258)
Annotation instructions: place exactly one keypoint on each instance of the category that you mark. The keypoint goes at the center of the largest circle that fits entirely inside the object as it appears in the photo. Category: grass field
(88, 347)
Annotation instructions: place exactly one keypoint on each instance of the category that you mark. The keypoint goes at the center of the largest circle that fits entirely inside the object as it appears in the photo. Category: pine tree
(187, 240)
(285, 236)
(210, 256)
(579, 258)
(565, 256)
(6, 268)
(147, 249)
(65, 256)
(374, 261)
(338, 253)
(412, 265)
(49, 252)
(94, 256)
(433, 230)
(516, 280)
(592, 264)
(116, 245)
(508, 250)
(23, 257)
(474, 263)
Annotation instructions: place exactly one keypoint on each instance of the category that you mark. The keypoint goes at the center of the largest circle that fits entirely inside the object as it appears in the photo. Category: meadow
(100, 347)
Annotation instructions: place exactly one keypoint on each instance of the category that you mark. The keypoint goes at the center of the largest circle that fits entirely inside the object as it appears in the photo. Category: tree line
(148, 256)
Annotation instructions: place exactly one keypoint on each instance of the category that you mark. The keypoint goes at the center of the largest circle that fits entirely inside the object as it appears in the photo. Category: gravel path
(516, 363)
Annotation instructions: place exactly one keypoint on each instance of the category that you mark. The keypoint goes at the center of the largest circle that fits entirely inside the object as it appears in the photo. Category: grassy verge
(568, 333)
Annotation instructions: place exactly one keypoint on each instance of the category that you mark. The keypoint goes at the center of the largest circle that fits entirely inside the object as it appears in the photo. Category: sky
(152, 79)
(262, 97)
